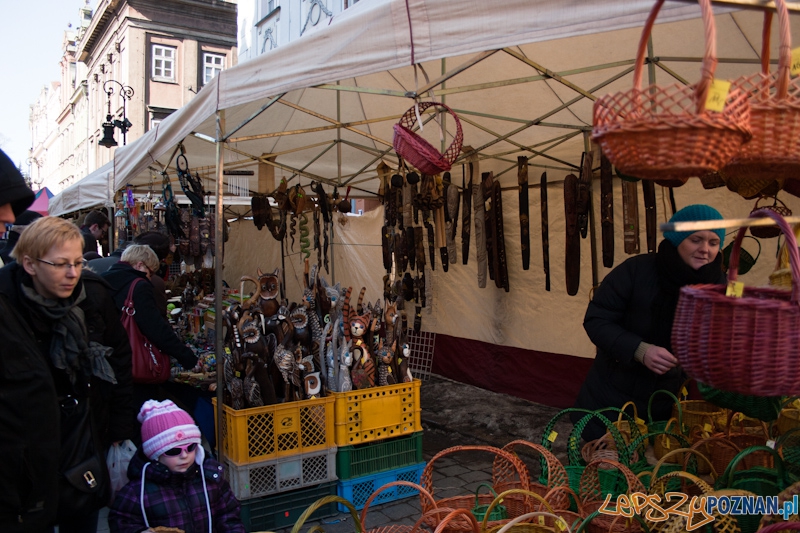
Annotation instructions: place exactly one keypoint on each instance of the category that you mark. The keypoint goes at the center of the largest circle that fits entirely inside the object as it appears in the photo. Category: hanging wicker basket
(747, 345)
(774, 151)
(769, 232)
(419, 152)
(666, 132)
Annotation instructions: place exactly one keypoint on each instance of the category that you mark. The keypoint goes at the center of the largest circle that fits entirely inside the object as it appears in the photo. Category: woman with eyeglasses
(65, 390)
(173, 483)
(139, 261)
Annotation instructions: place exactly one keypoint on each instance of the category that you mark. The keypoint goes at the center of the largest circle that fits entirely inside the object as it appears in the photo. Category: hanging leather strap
(572, 268)
(480, 225)
(630, 217)
(649, 192)
(607, 211)
(524, 220)
(545, 230)
(584, 197)
(487, 185)
(501, 268)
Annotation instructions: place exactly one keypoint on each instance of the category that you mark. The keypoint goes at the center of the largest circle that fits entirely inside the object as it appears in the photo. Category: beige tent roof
(521, 74)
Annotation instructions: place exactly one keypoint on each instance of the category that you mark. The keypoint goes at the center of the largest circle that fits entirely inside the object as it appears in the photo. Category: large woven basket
(399, 528)
(419, 152)
(593, 493)
(769, 232)
(505, 476)
(747, 345)
(515, 504)
(666, 132)
(774, 151)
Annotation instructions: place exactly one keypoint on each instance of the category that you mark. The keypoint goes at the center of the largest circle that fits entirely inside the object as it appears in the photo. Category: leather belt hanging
(466, 214)
(545, 230)
(495, 239)
(524, 220)
(649, 192)
(572, 267)
(630, 217)
(583, 193)
(487, 180)
(451, 217)
(607, 211)
(480, 223)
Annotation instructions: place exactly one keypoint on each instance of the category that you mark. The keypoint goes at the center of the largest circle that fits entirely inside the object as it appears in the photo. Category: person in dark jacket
(630, 321)
(172, 482)
(15, 195)
(160, 245)
(139, 262)
(13, 234)
(104, 263)
(95, 225)
(62, 345)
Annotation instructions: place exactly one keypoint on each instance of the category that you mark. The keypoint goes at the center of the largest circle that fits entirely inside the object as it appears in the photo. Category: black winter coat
(29, 390)
(152, 325)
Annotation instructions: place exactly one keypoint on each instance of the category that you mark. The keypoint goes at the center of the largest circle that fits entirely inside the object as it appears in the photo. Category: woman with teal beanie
(630, 318)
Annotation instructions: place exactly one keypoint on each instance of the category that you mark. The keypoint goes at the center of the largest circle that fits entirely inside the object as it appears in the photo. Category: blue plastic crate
(358, 490)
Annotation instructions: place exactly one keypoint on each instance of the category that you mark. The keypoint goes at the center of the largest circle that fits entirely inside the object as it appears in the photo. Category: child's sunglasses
(188, 448)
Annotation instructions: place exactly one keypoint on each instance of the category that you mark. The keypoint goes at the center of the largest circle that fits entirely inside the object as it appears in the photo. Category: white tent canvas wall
(521, 75)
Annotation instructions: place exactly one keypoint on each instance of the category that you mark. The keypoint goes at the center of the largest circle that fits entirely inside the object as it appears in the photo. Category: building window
(212, 65)
(268, 6)
(163, 63)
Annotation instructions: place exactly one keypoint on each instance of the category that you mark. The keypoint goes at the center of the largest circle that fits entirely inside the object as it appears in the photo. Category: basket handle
(573, 442)
(566, 489)
(409, 117)
(783, 254)
(674, 398)
(622, 411)
(679, 451)
(453, 515)
(727, 476)
(590, 485)
(423, 494)
(791, 244)
(705, 487)
(499, 499)
(779, 526)
(552, 471)
(528, 516)
(324, 501)
(478, 490)
(732, 419)
(784, 48)
(709, 53)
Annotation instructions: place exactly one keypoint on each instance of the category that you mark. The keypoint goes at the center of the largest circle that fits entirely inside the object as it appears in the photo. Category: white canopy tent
(521, 75)
(95, 190)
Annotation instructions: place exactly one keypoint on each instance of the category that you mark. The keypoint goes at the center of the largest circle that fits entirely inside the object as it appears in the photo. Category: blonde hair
(44, 233)
(141, 252)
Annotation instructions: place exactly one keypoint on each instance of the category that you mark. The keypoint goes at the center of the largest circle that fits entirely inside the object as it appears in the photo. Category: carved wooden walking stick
(607, 211)
(545, 230)
(651, 231)
(572, 267)
(466, 214)
(630, 217)
(524, 220)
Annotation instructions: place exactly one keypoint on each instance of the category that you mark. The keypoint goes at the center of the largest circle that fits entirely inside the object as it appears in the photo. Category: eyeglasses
(66, 266)
(188, 448)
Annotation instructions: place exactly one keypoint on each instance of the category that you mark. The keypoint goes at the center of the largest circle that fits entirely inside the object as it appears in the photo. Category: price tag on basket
(540, 520)
(717, 95)
(795, 69)
(735, 289)
(561, 525)
(552, 436)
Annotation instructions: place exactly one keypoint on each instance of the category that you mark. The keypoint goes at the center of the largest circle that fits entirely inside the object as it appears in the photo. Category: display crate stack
(279, 459)
(379, 439)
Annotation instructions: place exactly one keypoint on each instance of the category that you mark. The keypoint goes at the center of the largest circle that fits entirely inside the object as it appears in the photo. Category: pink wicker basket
(774, 151)
(747, 345)
(419, 152)
(665, 132)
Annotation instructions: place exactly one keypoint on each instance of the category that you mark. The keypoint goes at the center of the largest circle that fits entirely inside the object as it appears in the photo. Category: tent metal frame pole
(513, 164)
(218, 264)
(335, 122)
(392, 118)
(750, 4)
(549, 73)
(447, 75)
(254, 115)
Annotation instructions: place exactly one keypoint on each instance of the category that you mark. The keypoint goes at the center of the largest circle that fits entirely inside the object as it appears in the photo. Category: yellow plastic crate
(261, 433)
(377, 413)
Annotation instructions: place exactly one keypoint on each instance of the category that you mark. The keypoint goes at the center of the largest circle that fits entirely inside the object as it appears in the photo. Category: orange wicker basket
(666, 132)
(552, 471)
(774, 151)
(419, 152)
(515, 504)
(593, 494)
(747, 345)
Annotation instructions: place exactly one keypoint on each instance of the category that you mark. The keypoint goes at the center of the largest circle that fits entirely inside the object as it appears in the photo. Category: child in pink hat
(173, 483)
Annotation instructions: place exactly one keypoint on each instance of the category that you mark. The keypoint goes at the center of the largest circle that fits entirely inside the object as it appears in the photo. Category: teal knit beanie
(694, 212)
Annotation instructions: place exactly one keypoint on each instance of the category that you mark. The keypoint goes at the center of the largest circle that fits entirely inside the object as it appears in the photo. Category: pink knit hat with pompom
(165, 426)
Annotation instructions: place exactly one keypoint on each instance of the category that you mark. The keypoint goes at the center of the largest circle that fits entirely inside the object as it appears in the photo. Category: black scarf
(674, 273)
(69, 349)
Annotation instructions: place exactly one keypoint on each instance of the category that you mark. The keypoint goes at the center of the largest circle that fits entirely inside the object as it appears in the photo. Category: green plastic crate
(283, 509)
(374, 457)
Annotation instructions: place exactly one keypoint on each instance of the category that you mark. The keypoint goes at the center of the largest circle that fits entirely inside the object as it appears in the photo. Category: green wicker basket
(764, 408)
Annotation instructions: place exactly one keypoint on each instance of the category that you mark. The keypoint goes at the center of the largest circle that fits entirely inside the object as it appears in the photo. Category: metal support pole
(218, 264)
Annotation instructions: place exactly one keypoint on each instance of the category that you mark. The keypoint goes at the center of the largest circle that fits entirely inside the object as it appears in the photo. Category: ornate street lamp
(124, 125)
